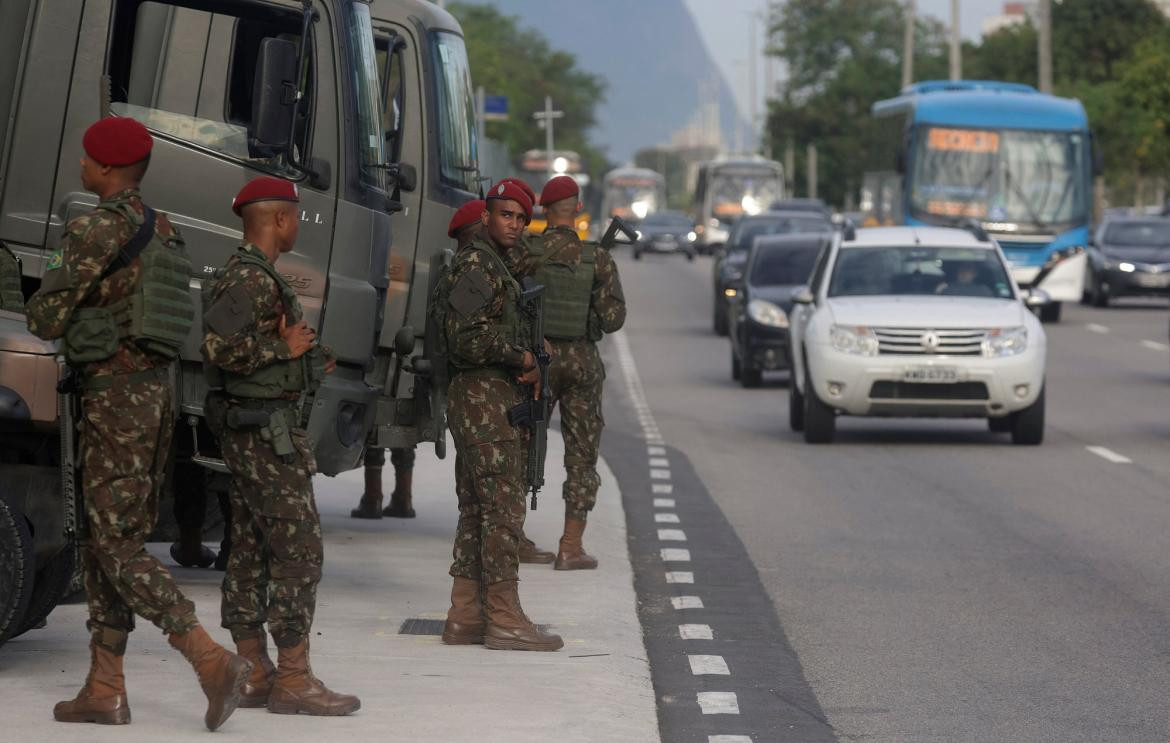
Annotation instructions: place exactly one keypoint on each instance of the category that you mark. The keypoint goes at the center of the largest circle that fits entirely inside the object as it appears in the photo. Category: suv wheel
(1051, 312)
(1003, 424)
(795, 406)
(751, 376)
(1028, 424)
(720, 320)
(736, 369)
(820, 422)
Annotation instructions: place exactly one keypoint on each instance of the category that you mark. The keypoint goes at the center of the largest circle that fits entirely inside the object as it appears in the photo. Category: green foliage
(517, 62)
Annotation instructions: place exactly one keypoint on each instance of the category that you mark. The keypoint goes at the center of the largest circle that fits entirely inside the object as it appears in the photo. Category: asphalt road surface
(916, 580)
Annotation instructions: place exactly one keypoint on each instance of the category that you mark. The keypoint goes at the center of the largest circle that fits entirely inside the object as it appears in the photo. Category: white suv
(916, 322)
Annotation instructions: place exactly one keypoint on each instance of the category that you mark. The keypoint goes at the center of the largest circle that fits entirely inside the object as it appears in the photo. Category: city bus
(534, 169)
(729, 187)
(632, 194)
(1018, 162)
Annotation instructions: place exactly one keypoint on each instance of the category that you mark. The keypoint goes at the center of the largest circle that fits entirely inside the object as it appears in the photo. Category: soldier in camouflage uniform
(583, 301)
(264, 360)
(489, 366)
(126, 428)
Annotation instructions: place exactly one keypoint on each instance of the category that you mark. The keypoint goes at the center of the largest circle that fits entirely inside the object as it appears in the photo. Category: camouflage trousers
(576, 378)
(125, 437)
(489, 477)
(277, 550)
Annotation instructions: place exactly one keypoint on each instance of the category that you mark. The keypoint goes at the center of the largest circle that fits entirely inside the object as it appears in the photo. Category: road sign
(495, 108)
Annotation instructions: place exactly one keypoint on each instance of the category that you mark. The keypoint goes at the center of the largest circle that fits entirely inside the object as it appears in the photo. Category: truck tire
(1028, 424)
(16, 570)
(49, 588)
(820, 421)
(1050, 312)
(795, 407)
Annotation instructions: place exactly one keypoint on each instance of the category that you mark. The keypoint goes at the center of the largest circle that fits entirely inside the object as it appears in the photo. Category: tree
(519, 63)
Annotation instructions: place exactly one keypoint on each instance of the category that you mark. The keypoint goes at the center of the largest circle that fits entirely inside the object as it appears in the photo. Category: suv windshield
(787, 265)
(1152, 234)
(747, 230)
(367, 126)
(458, 156)
(964, 272)
(665, 220)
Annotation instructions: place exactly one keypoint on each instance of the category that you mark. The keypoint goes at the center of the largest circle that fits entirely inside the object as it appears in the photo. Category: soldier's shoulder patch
(55, 260)
(471, 291)
(231, 312)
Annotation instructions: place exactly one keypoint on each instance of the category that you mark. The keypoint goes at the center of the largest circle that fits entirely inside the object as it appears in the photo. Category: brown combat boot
(530, 554)
(572, 555)
(370, 506)
(465, 624)
(297, 690)
(508, 628)
(400, 500)
(222, 673)
(103, 697)
(259, 684)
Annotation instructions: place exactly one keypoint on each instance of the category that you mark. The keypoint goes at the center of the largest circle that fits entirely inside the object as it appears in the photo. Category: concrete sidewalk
(413, 688)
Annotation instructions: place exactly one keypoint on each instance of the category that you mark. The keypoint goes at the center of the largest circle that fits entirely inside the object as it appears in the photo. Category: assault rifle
(533, 413)
(609, 239)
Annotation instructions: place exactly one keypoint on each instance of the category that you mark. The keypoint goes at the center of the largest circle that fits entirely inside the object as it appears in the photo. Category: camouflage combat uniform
(126, 428)
(577, 373)
(486, 357)
(277, 551)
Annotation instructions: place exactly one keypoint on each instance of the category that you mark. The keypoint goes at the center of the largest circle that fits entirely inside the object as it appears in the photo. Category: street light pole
(1044, 46)
(545, 118)
(956, 58)
(908, 46)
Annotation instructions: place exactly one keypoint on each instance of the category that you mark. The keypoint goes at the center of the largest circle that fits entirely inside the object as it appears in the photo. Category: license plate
(931, 374)
(1154, 281)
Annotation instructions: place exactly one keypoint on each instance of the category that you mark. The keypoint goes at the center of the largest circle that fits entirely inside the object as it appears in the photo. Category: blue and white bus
(1018, 162)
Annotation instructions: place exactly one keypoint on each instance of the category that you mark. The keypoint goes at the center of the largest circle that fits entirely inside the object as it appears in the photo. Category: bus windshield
(743, 190)
(633, 198)
(1024, 181)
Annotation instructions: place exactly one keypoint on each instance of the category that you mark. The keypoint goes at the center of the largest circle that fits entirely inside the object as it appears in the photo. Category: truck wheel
(820, 422)
(1028, 424)
(1051, 312)
(795, 407)
(16, 570)
(49, 588)
(736, 369)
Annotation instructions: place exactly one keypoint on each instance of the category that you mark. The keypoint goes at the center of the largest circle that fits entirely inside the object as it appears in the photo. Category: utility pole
(1044, 50)
(545, 119)
(790, 167)
(812, 171)
(956, 49)
(753, 139)
(908, 46)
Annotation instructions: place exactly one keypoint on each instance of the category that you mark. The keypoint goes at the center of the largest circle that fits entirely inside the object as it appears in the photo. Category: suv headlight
(766, 313)
(1005, 342)
(858, 340)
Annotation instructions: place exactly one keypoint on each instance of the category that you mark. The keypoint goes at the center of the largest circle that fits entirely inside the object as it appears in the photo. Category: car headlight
(852, 339)
(1005, 342)
(692, 236)
(638, 233)
(1126, 267)
(766, 313)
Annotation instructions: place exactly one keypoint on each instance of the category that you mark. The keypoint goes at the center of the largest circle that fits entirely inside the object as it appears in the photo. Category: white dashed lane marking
(664, 502)
(666, 518)
(656, 451)
(1095, 328)
(718, 702)
(659, 474)
(1155, 346)
(672, 535)
(659, 462)
(686, 602)
(679, 576)
(695, 632)
(729, 739)
(1109, 455)
(674, 554)
(662, 487)
(708, 665)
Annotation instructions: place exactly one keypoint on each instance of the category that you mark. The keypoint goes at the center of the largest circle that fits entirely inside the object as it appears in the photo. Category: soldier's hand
(548, 348)
(532, 376)
(299, 338)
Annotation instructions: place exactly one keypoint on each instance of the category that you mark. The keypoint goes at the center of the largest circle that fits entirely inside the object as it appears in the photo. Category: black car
(778, 266)
(666, 232)
(729, 266)
(1130, 256)
(813, 206)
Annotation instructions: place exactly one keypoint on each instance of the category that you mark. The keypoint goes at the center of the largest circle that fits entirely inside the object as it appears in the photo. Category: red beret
(523, 186)
(265, 188)
(561, 187)
(467, 215)
(509, 191)
(117, 141)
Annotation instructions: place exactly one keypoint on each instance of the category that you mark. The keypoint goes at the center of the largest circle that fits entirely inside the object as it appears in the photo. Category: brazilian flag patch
(55, 260)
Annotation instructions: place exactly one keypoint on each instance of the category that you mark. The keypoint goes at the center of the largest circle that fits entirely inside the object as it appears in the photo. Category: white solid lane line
(674, 554)
(1155, 346)
(686, 602)
(679, 576)
(708, 665)
(718, 702)
(666, 518)
(672, 535)
(1095, 328)
(695, 632)
(664, 502)
(1109, 455)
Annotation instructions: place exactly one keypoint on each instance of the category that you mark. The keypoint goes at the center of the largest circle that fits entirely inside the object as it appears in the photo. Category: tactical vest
(11, 296)
(281, 378)
(568, 292)
(157, 316)
(509, 327)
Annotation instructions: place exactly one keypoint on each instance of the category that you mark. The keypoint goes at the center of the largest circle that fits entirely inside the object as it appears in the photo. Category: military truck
(367, 106)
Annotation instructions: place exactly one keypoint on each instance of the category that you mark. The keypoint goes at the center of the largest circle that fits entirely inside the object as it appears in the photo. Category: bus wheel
(16, 570)
(49, 588)
(1051, 312)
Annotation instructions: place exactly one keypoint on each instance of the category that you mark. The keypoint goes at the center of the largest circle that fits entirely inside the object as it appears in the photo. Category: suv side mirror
(1036, 298)
(274, 94)
(803, 295)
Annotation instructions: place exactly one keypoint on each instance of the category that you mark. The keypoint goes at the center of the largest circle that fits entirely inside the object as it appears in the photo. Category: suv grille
(923, 342)
(923, 391)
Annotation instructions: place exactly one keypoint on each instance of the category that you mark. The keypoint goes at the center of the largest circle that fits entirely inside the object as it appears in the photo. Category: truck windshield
(367, 130)
(1023, 180)
(458, 157)
(962, 272)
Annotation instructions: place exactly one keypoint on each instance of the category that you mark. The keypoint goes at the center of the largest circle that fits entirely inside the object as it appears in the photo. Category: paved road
(930, 581)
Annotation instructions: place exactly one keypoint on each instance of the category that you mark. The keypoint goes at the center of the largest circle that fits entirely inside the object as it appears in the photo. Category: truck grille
(924, 342)
(923, 391)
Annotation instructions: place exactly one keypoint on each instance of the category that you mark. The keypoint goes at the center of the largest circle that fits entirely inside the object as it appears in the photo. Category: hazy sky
(725, 28)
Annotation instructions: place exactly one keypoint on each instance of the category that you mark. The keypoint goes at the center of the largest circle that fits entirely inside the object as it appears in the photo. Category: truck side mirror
(274, 94)
(405, 176)
(404, 341)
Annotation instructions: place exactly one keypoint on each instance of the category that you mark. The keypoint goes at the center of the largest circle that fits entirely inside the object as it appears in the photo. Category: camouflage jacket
(257, 343)
(477, 303)
(607, 303)
(73, 279)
